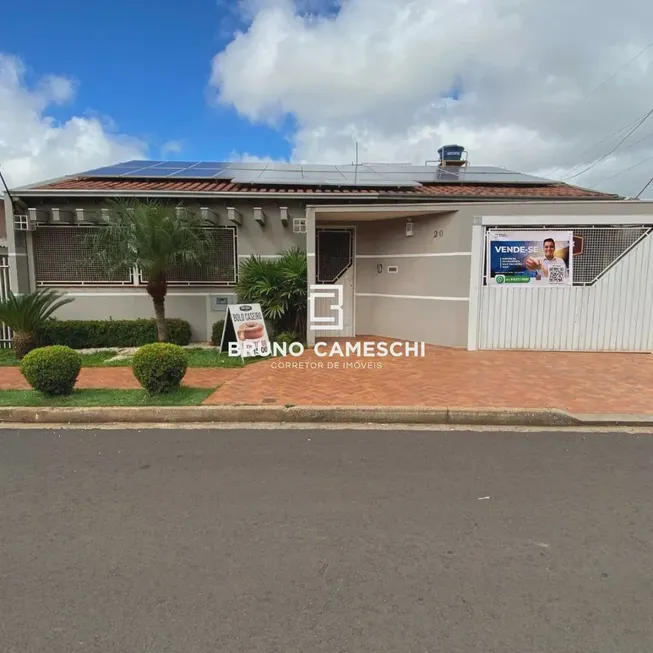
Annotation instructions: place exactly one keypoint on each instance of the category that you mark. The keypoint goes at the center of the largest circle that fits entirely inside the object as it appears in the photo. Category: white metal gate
(609, 307)
(5, 331)
(335, 263)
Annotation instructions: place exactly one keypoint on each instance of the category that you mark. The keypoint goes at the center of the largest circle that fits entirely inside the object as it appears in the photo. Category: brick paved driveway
(579, 382)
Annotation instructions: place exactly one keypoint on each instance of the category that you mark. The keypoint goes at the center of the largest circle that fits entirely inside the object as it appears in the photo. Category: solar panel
(201, 173)
(247, 166)
(311, 169)
(217, 165)
(373, 174)
(354, 168)
(292, 176)
(368, 176)
(133, 164)
(245, 176)
(176, 165)
(499, 177)
(323, 176)
(109, 171)
(149, 172)
(139, 162)
(285, 167)
(352, 179)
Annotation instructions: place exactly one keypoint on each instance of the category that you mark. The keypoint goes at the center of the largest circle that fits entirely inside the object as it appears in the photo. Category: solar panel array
(288, 174)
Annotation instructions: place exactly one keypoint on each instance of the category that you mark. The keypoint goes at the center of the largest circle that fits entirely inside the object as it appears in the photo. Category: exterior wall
(192, 303)
(426, 299)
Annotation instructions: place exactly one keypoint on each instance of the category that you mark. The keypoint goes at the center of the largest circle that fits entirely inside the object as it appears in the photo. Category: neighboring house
(407, 243)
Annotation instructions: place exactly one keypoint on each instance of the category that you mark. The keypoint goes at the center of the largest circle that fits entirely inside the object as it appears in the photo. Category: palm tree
(156, 238)
(26, 314)
(279, 286)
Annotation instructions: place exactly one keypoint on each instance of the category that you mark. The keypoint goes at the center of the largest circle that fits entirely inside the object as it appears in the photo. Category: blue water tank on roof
(451, 152)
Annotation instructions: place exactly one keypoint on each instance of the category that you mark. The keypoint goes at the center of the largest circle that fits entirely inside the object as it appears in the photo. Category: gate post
(310, 270)
(475, 282)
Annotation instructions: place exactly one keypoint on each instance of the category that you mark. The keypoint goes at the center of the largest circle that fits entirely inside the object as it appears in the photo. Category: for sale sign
(534, 258)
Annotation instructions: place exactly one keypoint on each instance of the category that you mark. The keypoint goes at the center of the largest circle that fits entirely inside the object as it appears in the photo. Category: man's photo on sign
(542, 265)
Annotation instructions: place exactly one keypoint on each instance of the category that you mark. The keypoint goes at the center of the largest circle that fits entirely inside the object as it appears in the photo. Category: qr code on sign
(556, 274)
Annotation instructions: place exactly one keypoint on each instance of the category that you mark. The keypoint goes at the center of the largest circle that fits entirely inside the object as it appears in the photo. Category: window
(62, 257)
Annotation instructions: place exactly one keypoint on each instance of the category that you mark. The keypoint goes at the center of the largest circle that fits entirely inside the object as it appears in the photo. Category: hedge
(216, 332)
(88, 334)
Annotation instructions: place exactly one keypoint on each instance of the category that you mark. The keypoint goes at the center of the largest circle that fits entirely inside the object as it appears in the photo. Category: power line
(618, 174)
(605, 156)
(650, 181)
(589, 149)
(4, 183)
(603, 83)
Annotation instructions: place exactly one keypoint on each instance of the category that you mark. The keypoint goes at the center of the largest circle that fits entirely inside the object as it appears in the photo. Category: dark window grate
(334, 254)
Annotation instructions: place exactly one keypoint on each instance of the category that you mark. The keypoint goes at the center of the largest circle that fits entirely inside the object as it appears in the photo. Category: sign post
(245, 325)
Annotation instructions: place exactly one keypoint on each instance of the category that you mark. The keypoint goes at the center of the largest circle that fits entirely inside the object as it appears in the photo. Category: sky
(548, 88)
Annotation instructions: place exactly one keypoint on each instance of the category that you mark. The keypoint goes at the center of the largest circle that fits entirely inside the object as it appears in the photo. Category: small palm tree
(279, 286)
(26, 314)
(156, 238)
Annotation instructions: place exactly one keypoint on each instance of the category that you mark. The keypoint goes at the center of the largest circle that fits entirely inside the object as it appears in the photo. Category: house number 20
(438, 233)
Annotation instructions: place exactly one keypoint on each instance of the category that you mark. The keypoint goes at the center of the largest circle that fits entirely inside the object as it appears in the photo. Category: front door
(335, 266)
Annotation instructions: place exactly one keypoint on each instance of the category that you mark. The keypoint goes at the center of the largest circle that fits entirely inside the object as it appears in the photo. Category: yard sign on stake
(245, 325)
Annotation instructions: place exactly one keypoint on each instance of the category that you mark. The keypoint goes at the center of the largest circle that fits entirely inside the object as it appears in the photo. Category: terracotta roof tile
(458, 190)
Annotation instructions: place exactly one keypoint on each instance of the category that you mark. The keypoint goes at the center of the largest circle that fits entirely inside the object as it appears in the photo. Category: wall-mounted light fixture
(409, 228)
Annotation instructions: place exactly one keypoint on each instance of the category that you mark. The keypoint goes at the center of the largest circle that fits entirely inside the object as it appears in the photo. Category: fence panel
(608, 308)
(5, 331)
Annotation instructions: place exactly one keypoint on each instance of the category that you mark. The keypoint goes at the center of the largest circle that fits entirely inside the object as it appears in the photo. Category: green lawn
(197, 357)
(91, 398)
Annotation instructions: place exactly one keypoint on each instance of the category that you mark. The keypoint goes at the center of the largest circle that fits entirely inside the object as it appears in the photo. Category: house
(407, 244)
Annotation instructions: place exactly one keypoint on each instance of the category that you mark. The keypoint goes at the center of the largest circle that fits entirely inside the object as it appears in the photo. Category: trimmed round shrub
(52, 370)
(160, 367)
(216, 332)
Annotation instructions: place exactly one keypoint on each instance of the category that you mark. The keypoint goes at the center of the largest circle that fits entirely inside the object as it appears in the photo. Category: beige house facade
(410, 262)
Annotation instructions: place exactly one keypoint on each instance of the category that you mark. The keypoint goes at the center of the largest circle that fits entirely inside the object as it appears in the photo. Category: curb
(314, 414)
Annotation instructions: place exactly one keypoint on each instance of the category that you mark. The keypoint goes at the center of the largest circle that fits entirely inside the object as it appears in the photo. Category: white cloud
(380, 71)
(171, 147)
(35, 147)
(246, 157)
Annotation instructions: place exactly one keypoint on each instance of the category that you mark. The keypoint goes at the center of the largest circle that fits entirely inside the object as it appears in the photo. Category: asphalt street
(192, 541)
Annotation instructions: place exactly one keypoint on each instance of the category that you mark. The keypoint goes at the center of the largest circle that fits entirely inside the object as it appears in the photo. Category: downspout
(310, 271)
(11, 241)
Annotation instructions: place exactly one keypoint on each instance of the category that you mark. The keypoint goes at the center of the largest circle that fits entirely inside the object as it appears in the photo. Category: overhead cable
(616, 147)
